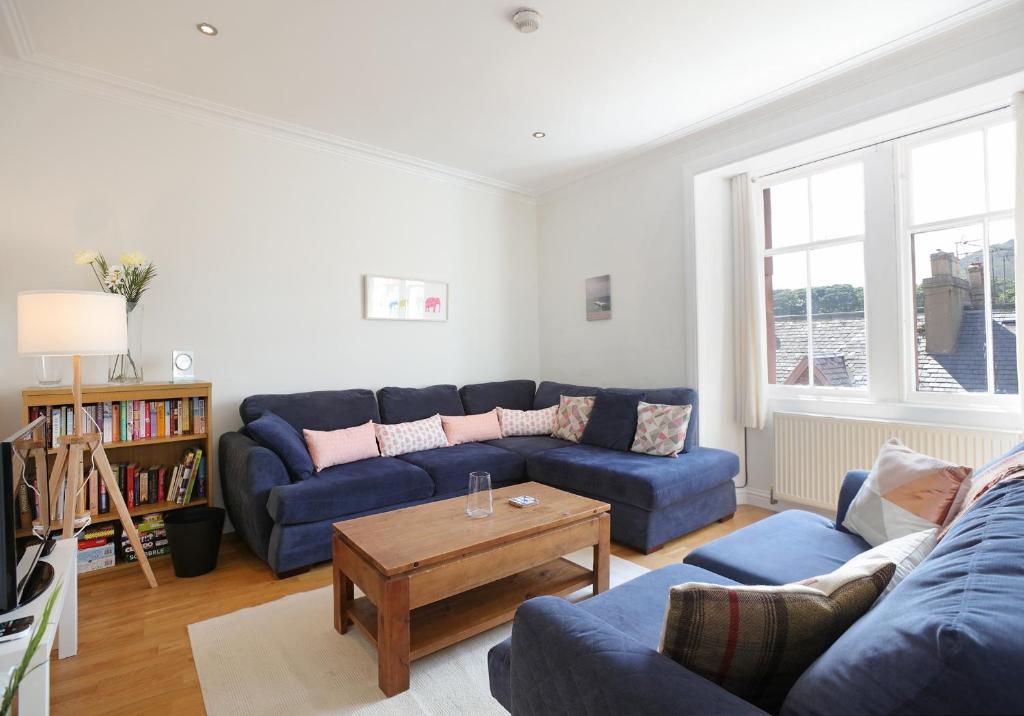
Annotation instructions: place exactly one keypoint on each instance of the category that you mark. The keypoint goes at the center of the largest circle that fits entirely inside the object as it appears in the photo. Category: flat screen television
(18, 586)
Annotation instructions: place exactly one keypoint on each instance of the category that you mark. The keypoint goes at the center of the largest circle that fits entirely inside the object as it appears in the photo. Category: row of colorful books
(127, 420)
(99, 547)
(140, 485)
(181, 483)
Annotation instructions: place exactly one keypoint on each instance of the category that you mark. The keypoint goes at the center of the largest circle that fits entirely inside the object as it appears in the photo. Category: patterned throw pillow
(661, 429)
(571, 417)
(757, 641)
(337, 447)
(471, 428)
(905, 492)
(401, 438)
(527, 422)
(1010, 467)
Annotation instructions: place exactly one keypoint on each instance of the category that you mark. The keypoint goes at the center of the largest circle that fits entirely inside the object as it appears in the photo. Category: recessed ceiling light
(539, 135)
(207, 29)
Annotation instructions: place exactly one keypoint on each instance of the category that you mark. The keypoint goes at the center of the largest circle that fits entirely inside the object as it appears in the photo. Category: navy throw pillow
(274, 432)
(612, 421)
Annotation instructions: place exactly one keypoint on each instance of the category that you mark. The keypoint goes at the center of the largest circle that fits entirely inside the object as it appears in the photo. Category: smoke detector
(526, 20)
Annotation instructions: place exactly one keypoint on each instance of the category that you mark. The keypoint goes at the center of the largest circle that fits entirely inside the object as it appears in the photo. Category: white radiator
(812, 452)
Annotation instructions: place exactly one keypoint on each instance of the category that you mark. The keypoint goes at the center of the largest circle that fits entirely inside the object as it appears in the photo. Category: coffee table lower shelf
(449, 621)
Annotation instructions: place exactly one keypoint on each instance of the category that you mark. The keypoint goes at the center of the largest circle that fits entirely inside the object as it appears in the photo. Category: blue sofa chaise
(949, 639)
(287, 521)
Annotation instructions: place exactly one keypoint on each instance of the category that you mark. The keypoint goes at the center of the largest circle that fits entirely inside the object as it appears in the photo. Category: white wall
(260, 246)
(670, 284)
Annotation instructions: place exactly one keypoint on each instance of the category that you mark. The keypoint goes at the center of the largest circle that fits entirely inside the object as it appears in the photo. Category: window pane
(837, 198)
(948, 178)
(837, 304)
(790, 215)
(1004, 314)
(950, 326)
(786, 284)
(1001, 155)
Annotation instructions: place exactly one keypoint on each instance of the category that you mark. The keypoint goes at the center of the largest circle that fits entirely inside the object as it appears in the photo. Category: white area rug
(284, 657)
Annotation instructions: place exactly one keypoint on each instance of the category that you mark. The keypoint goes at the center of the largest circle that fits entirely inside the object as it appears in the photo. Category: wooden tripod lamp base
(77, 323)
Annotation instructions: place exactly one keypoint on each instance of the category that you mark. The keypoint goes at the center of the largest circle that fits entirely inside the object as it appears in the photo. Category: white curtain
(1018, 264)
(750, 355)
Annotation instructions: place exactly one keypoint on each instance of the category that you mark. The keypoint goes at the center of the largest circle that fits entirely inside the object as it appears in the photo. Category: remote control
(16, 628)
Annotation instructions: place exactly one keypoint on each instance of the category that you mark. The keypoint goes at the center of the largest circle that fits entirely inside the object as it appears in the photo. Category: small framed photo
(599, 298)
(404, 299)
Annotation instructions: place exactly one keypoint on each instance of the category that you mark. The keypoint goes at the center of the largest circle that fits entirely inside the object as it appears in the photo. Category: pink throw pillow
(471, 428)
(336, 447)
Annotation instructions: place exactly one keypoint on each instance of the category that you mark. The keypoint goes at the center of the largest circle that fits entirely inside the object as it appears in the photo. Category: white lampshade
(65, 323)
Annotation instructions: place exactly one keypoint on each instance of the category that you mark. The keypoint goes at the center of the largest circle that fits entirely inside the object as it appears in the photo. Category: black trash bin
(194, 536)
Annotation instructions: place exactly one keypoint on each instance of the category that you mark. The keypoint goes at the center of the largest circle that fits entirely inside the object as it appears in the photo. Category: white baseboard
(763, 498)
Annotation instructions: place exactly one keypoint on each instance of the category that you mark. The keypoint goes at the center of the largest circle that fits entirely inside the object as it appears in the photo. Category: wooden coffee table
(434, 577)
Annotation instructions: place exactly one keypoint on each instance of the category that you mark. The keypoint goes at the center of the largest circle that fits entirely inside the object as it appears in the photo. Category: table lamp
(76, 324)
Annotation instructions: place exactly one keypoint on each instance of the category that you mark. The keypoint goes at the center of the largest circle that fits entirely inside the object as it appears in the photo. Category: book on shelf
(127, 420)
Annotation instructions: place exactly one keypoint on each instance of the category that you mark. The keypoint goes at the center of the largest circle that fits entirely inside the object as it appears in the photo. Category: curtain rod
(883, 141)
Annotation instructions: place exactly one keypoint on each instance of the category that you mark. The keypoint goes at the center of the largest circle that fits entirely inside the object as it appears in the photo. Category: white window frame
(779, 390)
(907, 310)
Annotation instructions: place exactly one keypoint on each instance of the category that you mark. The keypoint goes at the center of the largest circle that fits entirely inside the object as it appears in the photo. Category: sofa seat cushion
(947, 639)
(349, 489)
(450, 467)
(404, 405)
(527, 445)
(644, 481)
(786, 547)
(636, 608)
(485, 397)
(317, 410)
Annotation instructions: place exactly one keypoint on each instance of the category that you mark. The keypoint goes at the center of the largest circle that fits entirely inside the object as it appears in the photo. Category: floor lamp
(76, 324)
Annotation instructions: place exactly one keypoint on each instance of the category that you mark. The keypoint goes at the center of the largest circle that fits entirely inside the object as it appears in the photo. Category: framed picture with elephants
(404, 299)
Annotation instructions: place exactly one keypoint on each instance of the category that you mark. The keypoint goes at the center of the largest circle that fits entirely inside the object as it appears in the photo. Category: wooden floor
(133, 648)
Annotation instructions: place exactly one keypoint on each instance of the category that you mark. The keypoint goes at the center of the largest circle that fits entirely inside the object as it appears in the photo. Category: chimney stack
(945, 295)
(976, 276)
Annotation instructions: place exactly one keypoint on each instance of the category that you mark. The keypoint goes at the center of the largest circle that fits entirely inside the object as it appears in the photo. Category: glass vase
(127, 367)
(478, 501)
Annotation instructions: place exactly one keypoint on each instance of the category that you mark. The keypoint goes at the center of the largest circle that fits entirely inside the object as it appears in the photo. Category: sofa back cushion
(485, 397)
(549, 392)
(318, 410)
(947, 638)
(405, 405)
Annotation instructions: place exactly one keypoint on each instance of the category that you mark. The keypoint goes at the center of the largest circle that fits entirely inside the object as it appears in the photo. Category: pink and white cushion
(337, 447)
(527, 422)
(571, 417)
(661, 429)
(471, 428)
(401, 438)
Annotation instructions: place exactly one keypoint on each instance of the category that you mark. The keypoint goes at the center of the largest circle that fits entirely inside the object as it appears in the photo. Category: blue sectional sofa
(287, 521)
(949, 639)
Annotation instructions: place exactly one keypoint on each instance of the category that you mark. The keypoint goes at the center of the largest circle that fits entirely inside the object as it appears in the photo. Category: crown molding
(669, 143)
(33, 65)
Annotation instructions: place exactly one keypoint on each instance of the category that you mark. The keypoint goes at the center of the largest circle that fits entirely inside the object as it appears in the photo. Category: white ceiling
(453, 83)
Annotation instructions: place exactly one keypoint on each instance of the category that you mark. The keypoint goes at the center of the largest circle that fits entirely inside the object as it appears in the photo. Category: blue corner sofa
(287, 521)
(949, 639)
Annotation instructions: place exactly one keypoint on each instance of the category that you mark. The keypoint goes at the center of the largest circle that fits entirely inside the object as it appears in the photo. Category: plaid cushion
(757, 641)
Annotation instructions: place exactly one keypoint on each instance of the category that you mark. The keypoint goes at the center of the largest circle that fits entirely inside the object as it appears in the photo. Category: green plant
(23, 669)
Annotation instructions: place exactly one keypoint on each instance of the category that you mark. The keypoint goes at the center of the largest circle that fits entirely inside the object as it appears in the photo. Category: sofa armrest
(851, 484)
(248, 472)
(565, 660)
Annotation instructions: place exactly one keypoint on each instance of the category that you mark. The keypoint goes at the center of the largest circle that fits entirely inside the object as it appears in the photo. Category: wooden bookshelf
(166, 450)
